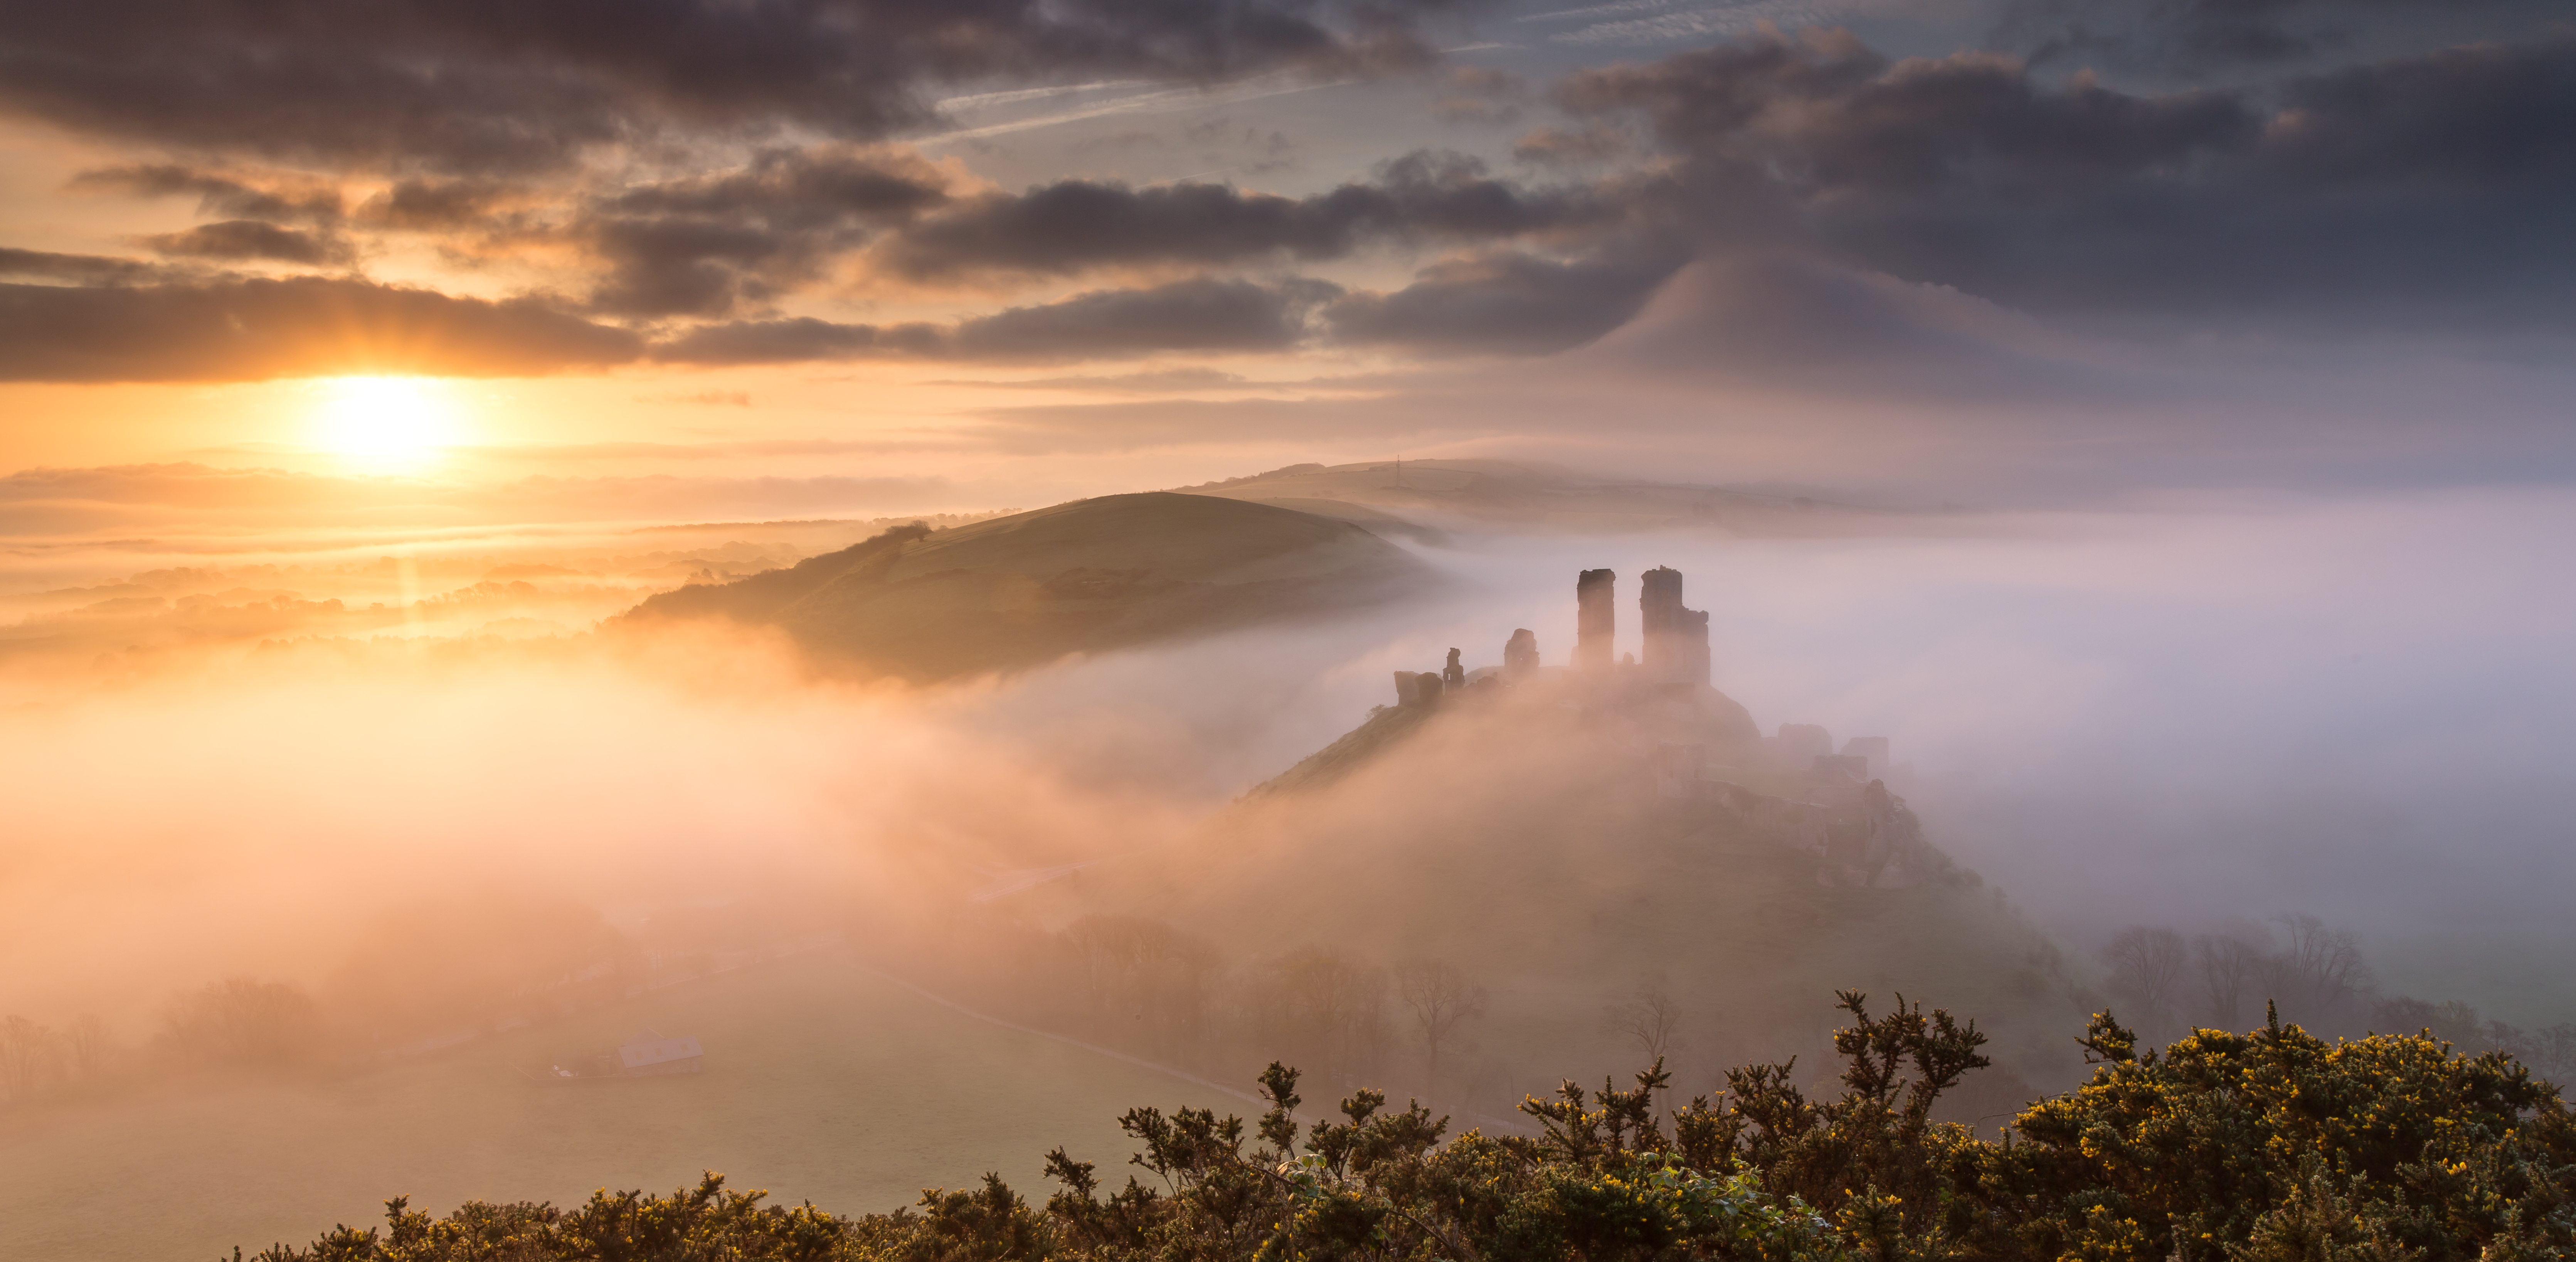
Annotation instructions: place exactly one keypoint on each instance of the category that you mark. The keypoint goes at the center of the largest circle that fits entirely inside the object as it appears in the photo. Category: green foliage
(2272, 1146)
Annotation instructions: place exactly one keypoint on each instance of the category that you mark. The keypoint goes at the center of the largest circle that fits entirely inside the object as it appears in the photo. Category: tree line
(426, 976)
(2272, 1145)
(1144, 986)
(2311, 970)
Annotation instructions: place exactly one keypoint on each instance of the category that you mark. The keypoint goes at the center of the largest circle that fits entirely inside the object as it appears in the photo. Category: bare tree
(242, 1020)
(86, 1046)
(1441, 998)
(2147, 966)
(1649, 1018)
(2229, 966)
(28, 1053)
(1323, 1007)
(1144, 978)
(2321, 970)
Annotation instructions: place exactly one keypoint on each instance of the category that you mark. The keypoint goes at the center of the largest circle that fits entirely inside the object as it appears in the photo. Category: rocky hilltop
(1577, 834)
(1091, 575)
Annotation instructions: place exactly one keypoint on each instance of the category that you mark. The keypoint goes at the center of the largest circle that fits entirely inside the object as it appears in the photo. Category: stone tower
(1676, 638)
(1520, 655)
(1596, 619)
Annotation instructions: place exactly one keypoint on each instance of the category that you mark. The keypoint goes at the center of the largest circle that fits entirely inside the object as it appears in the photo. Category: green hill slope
(1091, 575)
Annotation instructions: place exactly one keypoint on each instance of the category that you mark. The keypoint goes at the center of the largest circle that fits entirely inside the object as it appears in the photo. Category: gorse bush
(2269, 1146)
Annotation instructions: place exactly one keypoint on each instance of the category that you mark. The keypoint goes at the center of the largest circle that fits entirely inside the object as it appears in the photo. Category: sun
(386, 424)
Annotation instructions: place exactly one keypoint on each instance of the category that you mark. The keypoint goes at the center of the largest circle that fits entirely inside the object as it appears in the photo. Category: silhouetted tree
(2229, 969)
(2319, 975)
(1649, 1017)
(1441, 998)
(1143, 978)
(242, 1021)
(2147, 969)
(1326, 1006)
(86, 1047)
(29, 1057)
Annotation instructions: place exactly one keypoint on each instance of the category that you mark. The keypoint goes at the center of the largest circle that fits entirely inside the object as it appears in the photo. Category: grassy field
(823, 1084)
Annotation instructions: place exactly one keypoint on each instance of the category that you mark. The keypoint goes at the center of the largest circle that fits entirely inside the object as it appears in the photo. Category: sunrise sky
(678, 260)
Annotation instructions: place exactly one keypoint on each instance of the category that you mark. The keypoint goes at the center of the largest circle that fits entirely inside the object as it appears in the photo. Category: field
(823, 1083)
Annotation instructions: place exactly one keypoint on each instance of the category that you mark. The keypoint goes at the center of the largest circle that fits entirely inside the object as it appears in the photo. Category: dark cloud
(489, 86)
(434, 205)
(708, 245)
(1195, 315)
(798, 340)
(253, 239)
(1073, 225)
(287, 200)
(86, 268)
(1563, 146)
(247, 330)
(1503, 304)
(2194, 39)
(2429, 191)
(1157, 380)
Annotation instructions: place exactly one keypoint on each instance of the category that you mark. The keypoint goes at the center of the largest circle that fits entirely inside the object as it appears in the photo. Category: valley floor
(823, 1083)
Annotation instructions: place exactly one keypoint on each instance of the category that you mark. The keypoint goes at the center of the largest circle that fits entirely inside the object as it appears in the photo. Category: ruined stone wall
(1596, 619)
(1676, 638)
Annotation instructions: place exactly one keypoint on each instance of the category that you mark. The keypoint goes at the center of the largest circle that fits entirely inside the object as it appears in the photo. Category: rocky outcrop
(1868, 839)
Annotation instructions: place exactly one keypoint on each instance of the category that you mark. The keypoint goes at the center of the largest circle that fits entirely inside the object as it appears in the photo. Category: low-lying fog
(2186, 715)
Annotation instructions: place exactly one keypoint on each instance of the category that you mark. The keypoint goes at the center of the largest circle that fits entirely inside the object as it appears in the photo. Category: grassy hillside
(823, 1083)
(1091, 575)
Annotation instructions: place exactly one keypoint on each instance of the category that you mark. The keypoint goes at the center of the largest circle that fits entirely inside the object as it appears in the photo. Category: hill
(1536, 837)
(1381, 494)
(1081, 577)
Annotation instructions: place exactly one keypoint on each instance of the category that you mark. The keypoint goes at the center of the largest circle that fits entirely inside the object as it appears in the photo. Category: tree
(1144, 976)
(2147, 967)
(242, 1021)
(1324, 1006)
(1441, 998)
(86, 1046)
(29, 1054)
(2320, 971)
(2228, 967)
(1649, 1018)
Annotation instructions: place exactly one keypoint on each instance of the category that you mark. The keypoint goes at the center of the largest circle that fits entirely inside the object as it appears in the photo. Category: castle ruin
(1696, 748)
(1596, 619)
(1676, 638)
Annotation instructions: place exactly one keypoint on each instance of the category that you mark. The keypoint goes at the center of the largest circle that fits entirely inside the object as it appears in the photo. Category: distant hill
(1081, 577)
(1380, 494)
